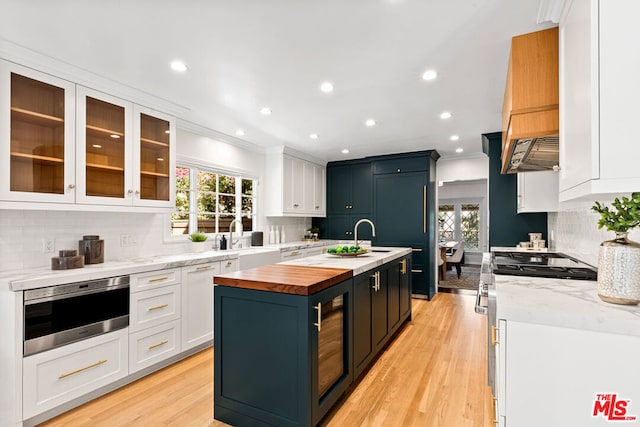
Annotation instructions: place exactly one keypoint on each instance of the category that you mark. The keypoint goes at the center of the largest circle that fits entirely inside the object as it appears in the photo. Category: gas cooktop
(542, 264)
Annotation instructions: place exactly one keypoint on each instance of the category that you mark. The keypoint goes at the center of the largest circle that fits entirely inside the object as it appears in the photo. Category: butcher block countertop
(309, 275)
(285, 279)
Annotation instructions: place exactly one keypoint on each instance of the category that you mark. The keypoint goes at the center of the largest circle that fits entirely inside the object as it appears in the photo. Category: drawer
(153, 307)
(153, 345)
(408, 164)
(57, 376)
(228, 266)
(289, 255)
(154, 279)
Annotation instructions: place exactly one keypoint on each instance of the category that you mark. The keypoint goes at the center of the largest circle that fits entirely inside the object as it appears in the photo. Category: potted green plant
(198, 238)
(619, 259)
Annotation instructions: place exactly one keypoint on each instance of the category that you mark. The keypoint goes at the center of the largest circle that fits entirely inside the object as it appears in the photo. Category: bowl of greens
(346, 251)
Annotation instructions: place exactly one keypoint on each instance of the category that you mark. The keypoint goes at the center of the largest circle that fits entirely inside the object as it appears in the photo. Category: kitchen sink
(380, 250)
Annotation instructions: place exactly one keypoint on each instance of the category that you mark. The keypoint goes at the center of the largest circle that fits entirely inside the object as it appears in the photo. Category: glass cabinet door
(103, 149)
(37, 128)
(155, 158)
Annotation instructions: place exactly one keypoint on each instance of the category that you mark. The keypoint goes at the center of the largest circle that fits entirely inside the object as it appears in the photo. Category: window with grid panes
(208, 201)
(460, 221)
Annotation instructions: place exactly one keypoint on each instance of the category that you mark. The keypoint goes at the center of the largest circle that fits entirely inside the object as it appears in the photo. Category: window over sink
(208, 200)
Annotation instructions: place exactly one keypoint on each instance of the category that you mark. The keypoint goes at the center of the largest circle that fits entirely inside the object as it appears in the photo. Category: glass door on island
(41, 142)
(104, 149)
(155, 161)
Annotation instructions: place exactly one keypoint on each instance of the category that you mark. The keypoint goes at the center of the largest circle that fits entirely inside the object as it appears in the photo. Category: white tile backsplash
(22, 233)
(576, 233)
(294, 227)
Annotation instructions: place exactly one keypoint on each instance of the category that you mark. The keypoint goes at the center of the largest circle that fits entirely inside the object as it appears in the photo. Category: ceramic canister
(92, 247)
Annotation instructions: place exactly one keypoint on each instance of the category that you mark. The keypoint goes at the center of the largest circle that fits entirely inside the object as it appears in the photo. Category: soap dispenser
(223, 243)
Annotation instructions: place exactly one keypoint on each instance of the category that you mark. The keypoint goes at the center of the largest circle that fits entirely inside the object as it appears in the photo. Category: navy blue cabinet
(281, 359)
(349, 188)
(405, 212)
(381, 303)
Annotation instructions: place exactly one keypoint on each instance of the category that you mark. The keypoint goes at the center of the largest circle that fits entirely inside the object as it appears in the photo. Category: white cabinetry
(57, 376)
(154, 323)
(551, 376)
(538, 192)
(294, 187)
(197, 300)
(67, 144)
(37, 136)
(599, 90)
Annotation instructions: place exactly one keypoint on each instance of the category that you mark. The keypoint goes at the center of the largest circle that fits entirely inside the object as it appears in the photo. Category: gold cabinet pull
(424, 210)
(158, 279)
(319, 308)
(203, 267)
(157, 307)
(403, 266)
(416, 271)
(93, 365)
(151, 347)
(495, 410)
(494, 338)
(229, 263)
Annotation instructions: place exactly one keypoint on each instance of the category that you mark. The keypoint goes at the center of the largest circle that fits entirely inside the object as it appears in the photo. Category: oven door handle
(482, 292)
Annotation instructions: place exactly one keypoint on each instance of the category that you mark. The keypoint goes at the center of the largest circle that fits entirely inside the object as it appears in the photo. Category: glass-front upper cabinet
(104, 149)
(37, 136)
(154, 157)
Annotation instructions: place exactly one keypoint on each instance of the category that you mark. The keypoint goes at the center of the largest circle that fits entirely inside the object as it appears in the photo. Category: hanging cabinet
(67, 144)
(37, 136)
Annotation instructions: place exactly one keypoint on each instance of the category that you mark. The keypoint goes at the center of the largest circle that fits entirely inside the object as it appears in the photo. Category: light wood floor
(433, 374)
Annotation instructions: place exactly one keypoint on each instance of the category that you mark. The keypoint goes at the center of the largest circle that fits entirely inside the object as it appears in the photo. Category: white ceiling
(246, 54)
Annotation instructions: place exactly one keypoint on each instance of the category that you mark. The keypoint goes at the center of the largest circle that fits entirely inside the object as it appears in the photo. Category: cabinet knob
(72, 186)
(137, 192)
(295, 205)
(129, 191)
(317, 207)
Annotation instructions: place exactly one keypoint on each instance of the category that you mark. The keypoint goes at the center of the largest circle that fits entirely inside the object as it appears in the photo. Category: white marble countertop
(20, 280)
(517, 249)
(359, 264)
(563, 303)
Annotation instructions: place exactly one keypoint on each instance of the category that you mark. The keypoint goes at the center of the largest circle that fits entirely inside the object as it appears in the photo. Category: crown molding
(13, 52)
(217, 135)
(551, 10)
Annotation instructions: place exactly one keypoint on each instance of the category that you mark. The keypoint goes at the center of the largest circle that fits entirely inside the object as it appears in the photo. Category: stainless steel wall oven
(58, 315)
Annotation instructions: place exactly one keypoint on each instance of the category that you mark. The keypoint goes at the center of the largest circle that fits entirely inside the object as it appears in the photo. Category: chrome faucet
(355, 230)
(231, 232)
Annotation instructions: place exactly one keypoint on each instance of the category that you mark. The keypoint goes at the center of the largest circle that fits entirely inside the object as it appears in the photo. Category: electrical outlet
(133, 240)
(124, 240)
(48, 245)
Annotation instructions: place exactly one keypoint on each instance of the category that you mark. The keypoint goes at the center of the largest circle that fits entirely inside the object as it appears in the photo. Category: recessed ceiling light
(459, 150)
(345, 151)
(454, 137)
(429, 75)
(445, 115)
(240, 132)
(114, 136)
(178, 66)
(265, 111)
(370, 122)
(313, 136)
(97, 146)
(326, 87)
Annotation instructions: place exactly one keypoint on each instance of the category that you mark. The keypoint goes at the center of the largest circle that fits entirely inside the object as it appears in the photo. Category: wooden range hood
(530, 113)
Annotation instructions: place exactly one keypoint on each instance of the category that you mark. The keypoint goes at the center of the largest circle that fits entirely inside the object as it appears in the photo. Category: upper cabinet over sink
(530, 110)
(599, 92)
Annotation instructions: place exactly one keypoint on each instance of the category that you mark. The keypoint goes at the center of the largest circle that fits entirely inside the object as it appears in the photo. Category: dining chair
(456, 257)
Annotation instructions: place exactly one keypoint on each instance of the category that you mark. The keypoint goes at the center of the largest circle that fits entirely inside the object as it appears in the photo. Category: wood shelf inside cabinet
(37, 157)
(105, 167)
(35, 117)
(105, 132)
(154, 142)
(158, 174)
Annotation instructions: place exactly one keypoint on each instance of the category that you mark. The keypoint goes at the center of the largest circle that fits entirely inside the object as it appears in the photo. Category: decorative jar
(619, 270)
